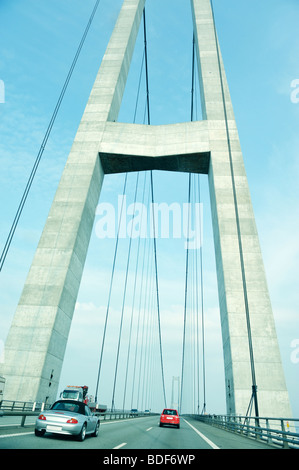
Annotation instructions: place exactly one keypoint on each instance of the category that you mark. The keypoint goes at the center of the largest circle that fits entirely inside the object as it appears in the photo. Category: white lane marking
(16, 425)
(203, 436)
(102, 423)
(149, 429)
(15, 435)
(117, 421)
(120, 445)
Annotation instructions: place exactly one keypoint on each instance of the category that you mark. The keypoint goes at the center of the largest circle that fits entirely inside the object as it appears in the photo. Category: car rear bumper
(170, 422)
(59, 428)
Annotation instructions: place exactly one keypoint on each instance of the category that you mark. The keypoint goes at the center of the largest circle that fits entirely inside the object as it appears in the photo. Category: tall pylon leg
(37, 339)
(250, 347)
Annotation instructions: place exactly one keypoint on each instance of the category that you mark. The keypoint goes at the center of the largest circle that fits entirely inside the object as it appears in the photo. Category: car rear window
(170, 412)
(69, 407)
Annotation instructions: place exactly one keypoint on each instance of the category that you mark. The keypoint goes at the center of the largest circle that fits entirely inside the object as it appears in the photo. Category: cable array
(143, 350)
(45, 140)
(149, 303)
(143, 332)
(194, 318)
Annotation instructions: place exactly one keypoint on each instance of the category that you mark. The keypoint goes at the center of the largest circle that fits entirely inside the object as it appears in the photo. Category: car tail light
(42, 417)
(72, 421)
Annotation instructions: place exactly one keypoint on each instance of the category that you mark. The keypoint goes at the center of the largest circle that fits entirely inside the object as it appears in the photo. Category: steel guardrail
(25, 409)
(20, 406)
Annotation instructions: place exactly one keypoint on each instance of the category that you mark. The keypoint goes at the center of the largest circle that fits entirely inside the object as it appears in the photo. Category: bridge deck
(140, 433)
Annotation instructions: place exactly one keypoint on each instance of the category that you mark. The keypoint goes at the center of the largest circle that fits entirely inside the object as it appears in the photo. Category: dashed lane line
(28, 433)
(120, 445)
(16, 435)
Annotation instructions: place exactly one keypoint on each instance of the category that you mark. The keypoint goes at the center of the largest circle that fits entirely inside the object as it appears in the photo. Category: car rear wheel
(39, 433)
(82, 434)
(96, 430)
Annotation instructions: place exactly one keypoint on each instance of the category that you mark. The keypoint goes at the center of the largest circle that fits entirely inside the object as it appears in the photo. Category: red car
(170, 417)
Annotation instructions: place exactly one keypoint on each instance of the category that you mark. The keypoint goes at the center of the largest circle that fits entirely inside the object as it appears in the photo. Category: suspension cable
(124, 298)
(110, 291)
(45, 140)
(146, 308)
(116, 249)
(146, 69)
(138, 322)
(138, 90)
(134, 298)
(153, 216)
(186, 295)
(195, 267)
(192, 87)
(196, 260)
(202, 309)
(157, 290)
(197, 310)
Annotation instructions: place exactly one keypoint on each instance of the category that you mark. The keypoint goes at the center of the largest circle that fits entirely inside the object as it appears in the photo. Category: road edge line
(208, 441)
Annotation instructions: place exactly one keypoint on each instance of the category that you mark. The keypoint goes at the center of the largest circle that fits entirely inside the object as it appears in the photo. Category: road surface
(139, 433)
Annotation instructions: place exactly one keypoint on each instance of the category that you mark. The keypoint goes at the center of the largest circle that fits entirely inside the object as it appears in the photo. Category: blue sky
(260, 47)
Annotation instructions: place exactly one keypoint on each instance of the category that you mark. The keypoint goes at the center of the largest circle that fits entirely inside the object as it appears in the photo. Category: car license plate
(169, 417)
(53, 428)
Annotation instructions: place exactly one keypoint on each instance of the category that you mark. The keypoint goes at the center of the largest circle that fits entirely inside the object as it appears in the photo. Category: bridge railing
(22, 406)
(25, 409)
(274, 431)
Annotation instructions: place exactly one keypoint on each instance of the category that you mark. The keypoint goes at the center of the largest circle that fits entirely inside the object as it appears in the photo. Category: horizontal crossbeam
(175, 147)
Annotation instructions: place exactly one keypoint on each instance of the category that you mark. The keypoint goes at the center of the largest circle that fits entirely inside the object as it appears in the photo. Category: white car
(70, 417)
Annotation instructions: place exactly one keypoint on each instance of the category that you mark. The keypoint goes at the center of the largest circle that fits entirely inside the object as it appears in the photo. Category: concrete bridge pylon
(36, 343)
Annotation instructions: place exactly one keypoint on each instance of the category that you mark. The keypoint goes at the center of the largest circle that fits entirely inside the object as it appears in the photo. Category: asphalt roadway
(138, 433)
